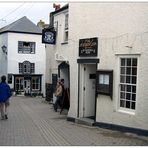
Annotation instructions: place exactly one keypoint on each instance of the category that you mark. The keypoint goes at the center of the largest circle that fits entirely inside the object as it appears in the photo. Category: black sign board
(48, 36)
(88, 47)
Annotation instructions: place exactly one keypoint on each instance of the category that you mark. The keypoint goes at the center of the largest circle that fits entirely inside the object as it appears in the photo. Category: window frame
(66, 28)
(30, 67)
(100, 86)
(23, 50)
(128, 87)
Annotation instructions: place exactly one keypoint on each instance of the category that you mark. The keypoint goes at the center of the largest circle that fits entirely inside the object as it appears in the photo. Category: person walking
(5, 94)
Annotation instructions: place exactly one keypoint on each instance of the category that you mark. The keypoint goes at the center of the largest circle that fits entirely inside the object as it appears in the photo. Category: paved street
(32, 122)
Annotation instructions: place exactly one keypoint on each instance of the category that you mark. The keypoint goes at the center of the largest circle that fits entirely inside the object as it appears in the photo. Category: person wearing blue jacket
(5, 94)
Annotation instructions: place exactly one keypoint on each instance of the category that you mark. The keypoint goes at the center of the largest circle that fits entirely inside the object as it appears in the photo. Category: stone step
(85, 121)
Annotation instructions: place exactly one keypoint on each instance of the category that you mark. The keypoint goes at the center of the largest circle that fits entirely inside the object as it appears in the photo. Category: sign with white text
(88, 47)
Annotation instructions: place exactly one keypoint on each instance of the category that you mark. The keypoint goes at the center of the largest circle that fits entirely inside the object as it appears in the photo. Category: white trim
(122, 110)
(118, 108)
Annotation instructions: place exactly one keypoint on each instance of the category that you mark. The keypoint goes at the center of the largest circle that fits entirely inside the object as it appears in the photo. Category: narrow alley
(33, 122)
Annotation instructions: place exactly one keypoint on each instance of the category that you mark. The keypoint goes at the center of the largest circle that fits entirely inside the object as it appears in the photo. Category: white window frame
(66, 25)
(122, 109)
(35, 83)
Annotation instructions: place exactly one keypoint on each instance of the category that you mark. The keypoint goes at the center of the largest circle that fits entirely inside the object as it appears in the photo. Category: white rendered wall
(61, 49)
(38, 58)
(3, 56)
(116, 25)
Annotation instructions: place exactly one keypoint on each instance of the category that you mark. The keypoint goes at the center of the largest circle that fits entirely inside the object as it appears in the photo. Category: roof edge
(20, 32)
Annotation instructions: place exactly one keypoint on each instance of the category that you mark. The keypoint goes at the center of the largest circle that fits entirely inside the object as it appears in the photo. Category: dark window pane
(122, 87)
(134, 62)
(134, 97)
(122, 70)
(128, 71)
(122, 62)
(128, 88)
(122, 103)
(127, 79)
(133, 105)
(122, 95)
(128, 62)
(122, 79)
(134, 71)
(128, 96)
(33, 86)
(133, 80)
(127, 104)
(134, 89)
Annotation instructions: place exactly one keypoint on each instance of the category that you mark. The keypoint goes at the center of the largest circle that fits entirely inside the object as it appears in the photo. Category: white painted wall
(61, 49)
(13, 58)
(3, 56)
(116, 25)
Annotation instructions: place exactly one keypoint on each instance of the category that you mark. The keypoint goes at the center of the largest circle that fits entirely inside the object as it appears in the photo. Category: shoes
(6, 117)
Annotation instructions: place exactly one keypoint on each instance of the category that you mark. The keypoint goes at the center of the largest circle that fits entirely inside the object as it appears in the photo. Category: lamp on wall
(4, 49)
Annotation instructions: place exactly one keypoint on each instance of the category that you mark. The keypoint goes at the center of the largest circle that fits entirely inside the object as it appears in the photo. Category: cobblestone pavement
(32, 122)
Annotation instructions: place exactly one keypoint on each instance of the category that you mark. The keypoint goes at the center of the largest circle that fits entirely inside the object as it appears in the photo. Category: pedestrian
(59, 95)
(5, 94)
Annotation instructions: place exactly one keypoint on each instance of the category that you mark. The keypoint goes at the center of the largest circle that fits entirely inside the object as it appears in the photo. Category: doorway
(87, 87)
(27, 87)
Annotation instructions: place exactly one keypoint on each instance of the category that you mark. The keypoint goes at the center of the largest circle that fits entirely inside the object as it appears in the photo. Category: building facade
(23, 62)
(106, 51)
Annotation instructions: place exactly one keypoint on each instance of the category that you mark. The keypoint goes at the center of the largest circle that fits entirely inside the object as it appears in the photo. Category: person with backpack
(5, 94)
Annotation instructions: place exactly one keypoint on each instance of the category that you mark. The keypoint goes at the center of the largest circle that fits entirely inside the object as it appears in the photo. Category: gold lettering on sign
(87, 44)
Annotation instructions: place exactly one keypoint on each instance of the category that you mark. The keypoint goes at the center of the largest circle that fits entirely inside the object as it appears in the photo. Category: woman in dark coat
(5, 94)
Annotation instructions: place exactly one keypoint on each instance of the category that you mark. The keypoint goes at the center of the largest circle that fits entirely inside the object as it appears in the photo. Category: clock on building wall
(48, 36)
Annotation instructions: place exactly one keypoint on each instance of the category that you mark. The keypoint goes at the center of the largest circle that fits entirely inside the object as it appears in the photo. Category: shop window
(104, 82)
(19, 82)
(10, 78)
(35, 83)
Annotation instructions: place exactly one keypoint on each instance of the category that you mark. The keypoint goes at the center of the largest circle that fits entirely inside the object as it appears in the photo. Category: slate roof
(23, 25)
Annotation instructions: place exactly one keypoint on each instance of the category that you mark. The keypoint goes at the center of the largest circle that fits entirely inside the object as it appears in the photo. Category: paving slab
(33, 122)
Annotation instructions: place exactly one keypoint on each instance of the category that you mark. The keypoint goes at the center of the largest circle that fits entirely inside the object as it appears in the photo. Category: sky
(35, 11)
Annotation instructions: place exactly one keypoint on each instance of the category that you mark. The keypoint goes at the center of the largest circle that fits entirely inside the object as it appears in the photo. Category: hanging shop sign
(88, 47)
(48, 36)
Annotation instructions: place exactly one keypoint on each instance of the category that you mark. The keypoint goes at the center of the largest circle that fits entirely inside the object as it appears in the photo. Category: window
(35, 83)
(26, 67)
(26, 47)
(128, 81)
(105, 82)
(19, 83)
(66, 28)
(66, 21)
(10, 78)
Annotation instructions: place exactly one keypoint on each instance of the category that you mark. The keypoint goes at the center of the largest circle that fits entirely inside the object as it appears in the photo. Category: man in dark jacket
(5, 94)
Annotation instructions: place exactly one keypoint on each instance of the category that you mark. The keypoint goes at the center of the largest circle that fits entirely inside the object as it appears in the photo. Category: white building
(106, 50)
(22, 56)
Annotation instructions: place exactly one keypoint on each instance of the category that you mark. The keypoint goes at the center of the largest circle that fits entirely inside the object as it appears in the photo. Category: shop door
(89, 82)
(27, 86)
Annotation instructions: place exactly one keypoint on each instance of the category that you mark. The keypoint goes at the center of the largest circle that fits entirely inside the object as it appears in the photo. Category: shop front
(28, 84)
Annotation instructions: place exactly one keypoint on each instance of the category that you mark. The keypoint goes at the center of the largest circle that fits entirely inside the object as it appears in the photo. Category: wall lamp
(4, 49)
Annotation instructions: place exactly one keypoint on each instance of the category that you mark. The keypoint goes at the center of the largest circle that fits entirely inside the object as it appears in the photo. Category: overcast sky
(35, 11)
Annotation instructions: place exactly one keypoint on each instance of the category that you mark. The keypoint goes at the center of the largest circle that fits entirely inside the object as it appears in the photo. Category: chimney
(57, 7)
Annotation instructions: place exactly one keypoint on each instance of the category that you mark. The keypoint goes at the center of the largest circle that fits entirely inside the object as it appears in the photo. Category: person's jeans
(57, 103)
